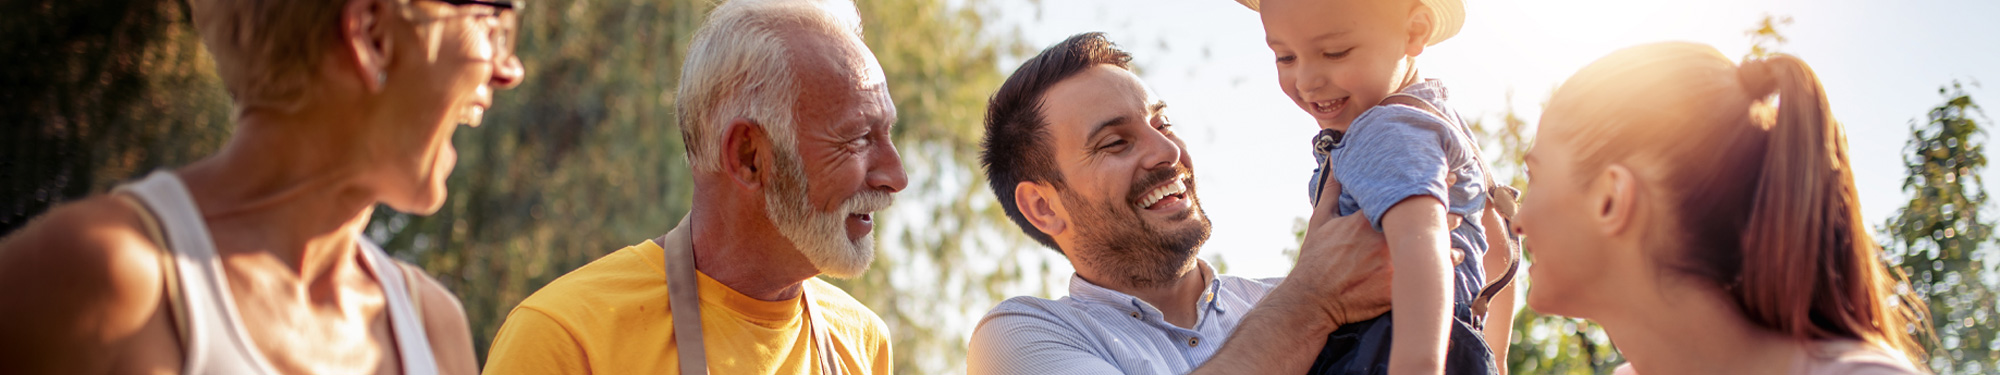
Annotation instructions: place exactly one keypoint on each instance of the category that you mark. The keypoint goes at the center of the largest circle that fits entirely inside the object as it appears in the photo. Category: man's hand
(1343, 276)
(1344, 263)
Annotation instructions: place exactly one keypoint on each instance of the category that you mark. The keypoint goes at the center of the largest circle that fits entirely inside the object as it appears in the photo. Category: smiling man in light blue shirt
(1085, 162)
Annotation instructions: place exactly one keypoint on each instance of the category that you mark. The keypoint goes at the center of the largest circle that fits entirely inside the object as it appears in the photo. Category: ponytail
(1756, 176)
(1809, 268)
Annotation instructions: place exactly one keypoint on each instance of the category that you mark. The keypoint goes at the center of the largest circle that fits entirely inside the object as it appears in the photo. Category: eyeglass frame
(503, 39)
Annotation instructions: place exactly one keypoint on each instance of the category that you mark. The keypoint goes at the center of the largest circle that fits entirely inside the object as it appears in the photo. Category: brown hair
(1756, 173)
(1016, 147)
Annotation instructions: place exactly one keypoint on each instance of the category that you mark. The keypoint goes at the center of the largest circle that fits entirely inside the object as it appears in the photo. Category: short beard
(820, 236)
(1114, 240)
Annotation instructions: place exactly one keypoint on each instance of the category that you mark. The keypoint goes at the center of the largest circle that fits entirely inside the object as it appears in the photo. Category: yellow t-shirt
(611, 317)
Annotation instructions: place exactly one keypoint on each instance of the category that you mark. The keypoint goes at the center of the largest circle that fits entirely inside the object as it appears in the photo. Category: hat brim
(1449, 16)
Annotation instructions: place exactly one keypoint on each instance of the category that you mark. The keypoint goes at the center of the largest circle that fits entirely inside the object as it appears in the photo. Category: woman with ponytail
(1705, 214)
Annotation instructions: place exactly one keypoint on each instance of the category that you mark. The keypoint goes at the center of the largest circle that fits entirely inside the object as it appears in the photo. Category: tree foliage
(98, 92)
(1942, 242)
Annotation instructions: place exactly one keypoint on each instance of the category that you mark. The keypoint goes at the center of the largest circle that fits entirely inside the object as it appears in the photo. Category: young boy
(1403, 158)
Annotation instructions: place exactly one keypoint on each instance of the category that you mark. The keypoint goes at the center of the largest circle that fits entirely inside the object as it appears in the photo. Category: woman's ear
(1616, 200)
(746, 153)
(1038, 203)
(1420, 31)
(368, 42)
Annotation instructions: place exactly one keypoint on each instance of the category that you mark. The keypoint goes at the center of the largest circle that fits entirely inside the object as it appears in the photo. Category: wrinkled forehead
(838, 72)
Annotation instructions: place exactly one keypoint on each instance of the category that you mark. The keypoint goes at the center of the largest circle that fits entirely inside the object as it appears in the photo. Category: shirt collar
(1087, 292)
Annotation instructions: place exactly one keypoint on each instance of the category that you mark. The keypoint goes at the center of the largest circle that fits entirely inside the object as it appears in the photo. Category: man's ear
(1420, 31)
(745, 153)
(363, 31)
(1615, 199)
(1039, 204)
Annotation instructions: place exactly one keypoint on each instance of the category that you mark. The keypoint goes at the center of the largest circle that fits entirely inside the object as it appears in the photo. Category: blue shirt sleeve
(1393, 153)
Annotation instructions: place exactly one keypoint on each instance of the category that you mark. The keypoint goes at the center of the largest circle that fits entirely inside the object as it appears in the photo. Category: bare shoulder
(86, 279)
(444, 322)
(100, 241)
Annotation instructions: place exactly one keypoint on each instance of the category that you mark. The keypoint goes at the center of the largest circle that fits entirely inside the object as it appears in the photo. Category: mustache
(1155, 178)
(867, 201)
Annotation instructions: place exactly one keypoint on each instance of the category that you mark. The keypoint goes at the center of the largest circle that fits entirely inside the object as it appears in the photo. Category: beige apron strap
(683, 300)
(829, 362)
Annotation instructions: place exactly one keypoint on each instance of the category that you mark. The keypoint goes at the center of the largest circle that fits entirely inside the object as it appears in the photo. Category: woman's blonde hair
(266, 50)
(1756, 172)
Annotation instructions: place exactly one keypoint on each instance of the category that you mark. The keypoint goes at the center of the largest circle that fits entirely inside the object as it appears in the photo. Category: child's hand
(1345, 261)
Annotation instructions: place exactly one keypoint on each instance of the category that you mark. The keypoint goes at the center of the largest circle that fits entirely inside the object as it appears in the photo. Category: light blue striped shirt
(1100, 331)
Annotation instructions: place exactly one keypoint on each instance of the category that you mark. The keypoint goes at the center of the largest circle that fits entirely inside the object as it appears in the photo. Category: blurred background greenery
(583, 159)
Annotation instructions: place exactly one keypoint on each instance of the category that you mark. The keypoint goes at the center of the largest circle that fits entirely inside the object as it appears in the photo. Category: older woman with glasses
(251, 261)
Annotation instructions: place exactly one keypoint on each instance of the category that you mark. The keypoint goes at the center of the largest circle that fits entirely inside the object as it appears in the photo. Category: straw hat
(1446, 15)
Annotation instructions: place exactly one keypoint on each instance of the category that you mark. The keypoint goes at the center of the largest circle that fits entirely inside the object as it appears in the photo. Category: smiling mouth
(1172, 192)
(1328, 107)
(472, 115)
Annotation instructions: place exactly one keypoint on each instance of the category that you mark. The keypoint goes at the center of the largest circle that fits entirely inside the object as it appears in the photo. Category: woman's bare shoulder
(102, 237)
(83, 277)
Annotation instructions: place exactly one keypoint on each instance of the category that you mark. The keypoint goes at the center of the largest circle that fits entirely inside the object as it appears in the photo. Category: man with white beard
(786, 119)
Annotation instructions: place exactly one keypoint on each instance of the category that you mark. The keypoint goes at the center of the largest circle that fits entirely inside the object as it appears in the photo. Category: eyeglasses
(506, 23)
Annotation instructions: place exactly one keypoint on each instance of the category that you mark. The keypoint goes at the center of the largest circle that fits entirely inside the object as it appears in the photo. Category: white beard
(821, 236)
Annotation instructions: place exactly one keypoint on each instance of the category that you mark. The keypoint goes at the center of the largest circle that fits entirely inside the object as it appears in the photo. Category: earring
(381, 78)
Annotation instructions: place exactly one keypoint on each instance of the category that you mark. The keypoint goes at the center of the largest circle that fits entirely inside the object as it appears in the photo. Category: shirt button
(1192, 341)
(1135, 315)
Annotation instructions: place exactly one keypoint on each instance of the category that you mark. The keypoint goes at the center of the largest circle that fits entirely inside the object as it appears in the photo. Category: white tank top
(213, 338)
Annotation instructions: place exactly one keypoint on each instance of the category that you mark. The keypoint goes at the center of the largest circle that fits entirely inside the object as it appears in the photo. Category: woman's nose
(508, 73)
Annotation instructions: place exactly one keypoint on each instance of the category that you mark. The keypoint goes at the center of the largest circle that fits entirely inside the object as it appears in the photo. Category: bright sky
(1881, 62)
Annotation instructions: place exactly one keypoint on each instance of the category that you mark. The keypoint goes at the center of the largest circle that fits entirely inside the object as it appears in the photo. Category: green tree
(98, 92)
(947, 252)
(1940, 240)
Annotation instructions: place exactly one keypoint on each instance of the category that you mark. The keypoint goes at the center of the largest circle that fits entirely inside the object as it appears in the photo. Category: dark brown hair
(1756, 172)
(1016, 147)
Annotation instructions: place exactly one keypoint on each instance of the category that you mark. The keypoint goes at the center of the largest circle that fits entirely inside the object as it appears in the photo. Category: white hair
(739, 66)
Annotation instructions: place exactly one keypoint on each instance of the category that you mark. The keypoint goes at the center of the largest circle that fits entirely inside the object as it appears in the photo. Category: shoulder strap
(683, 301)
(170, 275)
(1500, 199)
(413, 344)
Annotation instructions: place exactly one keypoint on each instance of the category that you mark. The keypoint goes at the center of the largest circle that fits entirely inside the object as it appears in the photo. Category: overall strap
(1499, 199)
(684, 303)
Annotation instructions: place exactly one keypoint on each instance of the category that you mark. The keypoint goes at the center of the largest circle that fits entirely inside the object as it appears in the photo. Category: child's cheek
(1287, 84)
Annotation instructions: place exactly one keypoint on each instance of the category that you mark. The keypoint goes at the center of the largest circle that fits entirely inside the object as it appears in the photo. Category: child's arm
(1421, 289)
